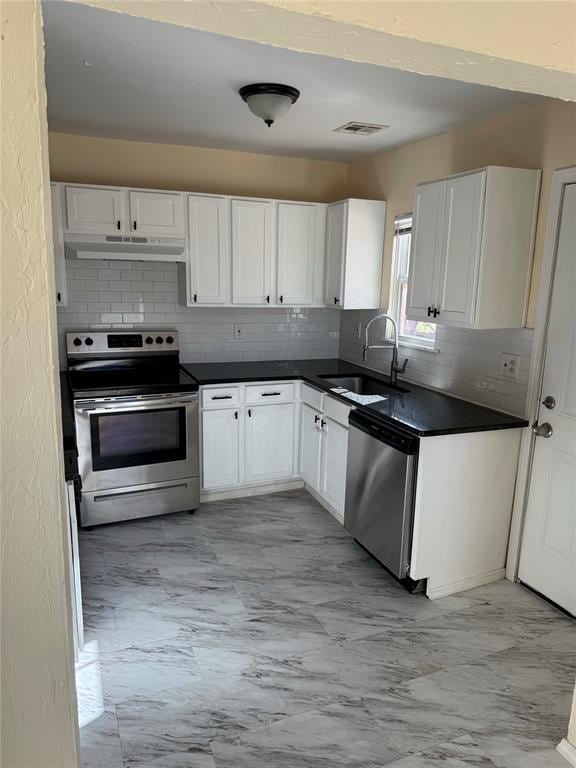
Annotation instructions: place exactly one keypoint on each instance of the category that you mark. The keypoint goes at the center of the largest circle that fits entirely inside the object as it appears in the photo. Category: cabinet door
(159, 214)
(252, 251)
(58, 239)
(220, 448)
(336, 216)
(209, 250)
(333, 472)
(296, 253)
(94, 210)
(461, 248)
(310, 445)
(269, 448)
(425, 250)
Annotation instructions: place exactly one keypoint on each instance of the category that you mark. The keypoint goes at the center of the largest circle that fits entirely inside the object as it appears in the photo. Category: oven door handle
(151, 405)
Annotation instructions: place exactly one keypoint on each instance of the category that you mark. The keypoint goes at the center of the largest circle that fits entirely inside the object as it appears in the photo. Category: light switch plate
(509, 365)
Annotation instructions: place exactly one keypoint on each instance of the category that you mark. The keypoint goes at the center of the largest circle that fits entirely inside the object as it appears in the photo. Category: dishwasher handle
(388, 435)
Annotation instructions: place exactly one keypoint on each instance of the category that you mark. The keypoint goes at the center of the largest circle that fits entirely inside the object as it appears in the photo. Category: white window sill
(415, 345)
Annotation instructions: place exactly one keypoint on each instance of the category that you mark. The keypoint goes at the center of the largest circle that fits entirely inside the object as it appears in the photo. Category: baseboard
(327, 506)
(443, 590)
(250, 490)
(568, 751)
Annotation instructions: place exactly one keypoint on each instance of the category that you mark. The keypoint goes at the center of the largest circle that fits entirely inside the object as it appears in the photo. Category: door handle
(542, 430)
(549, 402)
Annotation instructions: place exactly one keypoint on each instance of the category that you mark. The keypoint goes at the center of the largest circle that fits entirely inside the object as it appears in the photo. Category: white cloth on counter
(360, 399)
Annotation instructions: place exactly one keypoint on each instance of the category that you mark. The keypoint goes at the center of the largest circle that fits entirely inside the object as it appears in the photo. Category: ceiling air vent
(360, 129)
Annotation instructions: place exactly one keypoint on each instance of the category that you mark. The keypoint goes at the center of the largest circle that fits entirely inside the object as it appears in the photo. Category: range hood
(124, 247)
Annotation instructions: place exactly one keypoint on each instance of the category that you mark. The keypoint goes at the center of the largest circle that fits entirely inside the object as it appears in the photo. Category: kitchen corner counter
(419, 411)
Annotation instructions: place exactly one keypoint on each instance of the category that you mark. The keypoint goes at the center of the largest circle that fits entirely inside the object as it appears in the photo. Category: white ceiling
(157, 82)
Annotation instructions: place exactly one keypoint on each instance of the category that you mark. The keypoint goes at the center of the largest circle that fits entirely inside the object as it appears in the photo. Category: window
(413, 332)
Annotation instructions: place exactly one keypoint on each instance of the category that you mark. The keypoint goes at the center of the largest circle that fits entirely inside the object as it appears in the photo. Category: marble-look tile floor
(257, 634)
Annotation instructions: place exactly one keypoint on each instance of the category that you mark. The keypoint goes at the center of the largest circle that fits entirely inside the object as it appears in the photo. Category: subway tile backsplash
(466, 363)
(128, 294)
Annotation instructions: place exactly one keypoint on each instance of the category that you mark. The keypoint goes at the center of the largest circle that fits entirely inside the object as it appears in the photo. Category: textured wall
(86, 159)
(38, 694)
(133, 294)
(540, 136)
(465, 364)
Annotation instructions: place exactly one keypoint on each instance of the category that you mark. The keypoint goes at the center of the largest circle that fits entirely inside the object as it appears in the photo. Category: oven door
(137, 441)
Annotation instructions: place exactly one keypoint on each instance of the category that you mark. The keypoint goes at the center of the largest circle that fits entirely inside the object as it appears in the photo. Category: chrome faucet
(395, 367)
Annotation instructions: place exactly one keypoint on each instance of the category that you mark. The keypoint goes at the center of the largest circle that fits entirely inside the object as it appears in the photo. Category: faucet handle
(401, 368)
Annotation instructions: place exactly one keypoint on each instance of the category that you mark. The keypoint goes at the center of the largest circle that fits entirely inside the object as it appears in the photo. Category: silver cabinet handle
(542, 430)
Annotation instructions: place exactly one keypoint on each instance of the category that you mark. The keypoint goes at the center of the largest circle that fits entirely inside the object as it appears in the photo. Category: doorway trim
(560, 179)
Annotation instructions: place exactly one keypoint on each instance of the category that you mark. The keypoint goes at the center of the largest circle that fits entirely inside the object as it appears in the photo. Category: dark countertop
(420, 411)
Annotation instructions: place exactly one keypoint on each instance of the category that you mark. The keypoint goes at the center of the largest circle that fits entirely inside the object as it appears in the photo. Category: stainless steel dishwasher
(380, 480)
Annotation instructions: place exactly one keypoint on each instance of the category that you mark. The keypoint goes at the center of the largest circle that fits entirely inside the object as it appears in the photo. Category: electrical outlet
(358, 331)
(238, 331)
(509, 365)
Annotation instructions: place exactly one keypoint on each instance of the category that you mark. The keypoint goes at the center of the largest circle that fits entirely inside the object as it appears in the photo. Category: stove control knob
(89, 341)
(77, 341)
(169, 339)
(159, 340)
(149, 340)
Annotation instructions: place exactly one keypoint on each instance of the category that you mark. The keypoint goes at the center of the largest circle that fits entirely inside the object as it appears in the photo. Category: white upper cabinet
(335, 245)
(58, 242)
(472, 246)
(94, 209)
(297, 254)
(428, 219)
(354, 244)
(252, 251)
(208, 268)
(160, 214)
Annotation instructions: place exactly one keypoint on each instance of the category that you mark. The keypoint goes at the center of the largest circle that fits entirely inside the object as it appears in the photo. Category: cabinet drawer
(220, 397)
(312, 397)
(269, 393)
(337, 411)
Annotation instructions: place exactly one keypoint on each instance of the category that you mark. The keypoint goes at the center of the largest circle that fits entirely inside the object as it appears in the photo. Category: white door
(334, 456)
(425, 248)
(252, 251)
(336, 221)
(58, 241)
(310, 445)
(296, 253)
(548, 556)
(461, 245)
(94, 210)
(269, 443)
(159, 214)
(209, 250)
(220, 448)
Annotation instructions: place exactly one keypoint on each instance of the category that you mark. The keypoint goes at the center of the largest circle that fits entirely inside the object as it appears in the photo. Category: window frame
(403, 225)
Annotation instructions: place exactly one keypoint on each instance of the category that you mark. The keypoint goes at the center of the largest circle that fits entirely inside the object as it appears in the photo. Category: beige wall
(38, 695)
(516, 45)
(110, 161)
(539, 136)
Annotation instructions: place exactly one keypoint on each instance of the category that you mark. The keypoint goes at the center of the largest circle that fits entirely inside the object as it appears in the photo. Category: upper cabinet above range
(354, 244)
(109, 210)
(472, 246)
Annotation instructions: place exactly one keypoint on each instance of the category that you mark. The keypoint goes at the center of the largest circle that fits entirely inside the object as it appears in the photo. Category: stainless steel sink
(362, 385)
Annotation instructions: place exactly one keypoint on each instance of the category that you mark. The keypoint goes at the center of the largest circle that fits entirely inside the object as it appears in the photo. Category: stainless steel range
(136, 414)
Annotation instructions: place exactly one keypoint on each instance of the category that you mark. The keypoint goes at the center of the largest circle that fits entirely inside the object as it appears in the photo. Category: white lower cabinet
(324, 450)
(310, 445)
(220, 448)
(333, 467)
(269, 443)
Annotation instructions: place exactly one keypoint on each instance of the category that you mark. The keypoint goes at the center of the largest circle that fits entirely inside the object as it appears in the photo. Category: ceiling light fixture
(269, 101)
